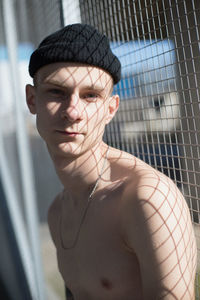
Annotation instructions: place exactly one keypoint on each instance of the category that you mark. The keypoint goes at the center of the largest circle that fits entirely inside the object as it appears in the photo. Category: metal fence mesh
(159, 118)
(157, 42)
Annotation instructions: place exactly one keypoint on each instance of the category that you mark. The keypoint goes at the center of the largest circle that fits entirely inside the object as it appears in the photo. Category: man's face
(72, 103)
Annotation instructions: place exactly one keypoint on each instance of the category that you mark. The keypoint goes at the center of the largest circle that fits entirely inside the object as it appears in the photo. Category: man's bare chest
(97, 261)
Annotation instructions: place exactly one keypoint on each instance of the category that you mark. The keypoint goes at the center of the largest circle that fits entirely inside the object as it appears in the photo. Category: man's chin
(71, 150)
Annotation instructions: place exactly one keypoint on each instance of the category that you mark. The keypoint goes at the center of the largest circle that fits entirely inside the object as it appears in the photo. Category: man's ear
(30, 98)
(113, 107)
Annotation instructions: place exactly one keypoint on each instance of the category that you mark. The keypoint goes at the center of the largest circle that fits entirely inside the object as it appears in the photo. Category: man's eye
(56, 91)
(90, 96)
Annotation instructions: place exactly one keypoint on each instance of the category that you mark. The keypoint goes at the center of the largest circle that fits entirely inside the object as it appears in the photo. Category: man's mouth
(68, 133)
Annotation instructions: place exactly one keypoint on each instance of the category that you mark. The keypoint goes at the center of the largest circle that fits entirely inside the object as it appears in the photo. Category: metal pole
(62, 21)
(23, 148)
(71, 12)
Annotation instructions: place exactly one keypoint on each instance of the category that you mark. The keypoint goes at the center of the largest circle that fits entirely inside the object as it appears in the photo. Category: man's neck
(79, 175)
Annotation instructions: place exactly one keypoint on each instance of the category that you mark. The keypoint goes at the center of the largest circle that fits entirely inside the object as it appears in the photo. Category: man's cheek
(52, 109)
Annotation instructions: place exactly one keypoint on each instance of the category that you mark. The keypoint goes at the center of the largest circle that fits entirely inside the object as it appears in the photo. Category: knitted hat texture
(80, 43)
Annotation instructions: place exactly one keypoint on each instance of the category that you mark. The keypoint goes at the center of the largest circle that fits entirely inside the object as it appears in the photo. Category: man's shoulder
(142, 181)
(130, 165)
(147, 189)
(152, 182)
(151, 200)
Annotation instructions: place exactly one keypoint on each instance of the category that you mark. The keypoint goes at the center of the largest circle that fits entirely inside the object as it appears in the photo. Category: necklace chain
(97, 181)
(86, 208)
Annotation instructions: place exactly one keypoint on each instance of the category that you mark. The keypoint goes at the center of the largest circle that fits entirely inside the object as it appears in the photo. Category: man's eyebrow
(93, 87)
(90, 87)
(84, 87)
(54, 82)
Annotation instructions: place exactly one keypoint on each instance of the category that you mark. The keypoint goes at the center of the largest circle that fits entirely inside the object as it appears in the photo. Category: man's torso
(95, 262)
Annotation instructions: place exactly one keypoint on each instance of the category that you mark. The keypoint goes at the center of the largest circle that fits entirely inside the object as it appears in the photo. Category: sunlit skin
(135, 240)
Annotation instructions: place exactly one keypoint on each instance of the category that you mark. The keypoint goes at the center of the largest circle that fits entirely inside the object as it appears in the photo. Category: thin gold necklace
(86, 208)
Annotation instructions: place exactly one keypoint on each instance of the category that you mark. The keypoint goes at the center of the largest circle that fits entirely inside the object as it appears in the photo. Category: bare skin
(135, 239)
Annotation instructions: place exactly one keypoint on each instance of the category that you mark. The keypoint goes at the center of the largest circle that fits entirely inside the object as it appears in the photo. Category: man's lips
(70, 133)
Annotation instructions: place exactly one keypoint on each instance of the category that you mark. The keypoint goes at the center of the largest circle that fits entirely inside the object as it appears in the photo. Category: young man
(122, 230)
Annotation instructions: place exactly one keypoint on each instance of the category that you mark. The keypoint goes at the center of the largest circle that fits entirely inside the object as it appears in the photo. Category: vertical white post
(24, 151)
(71, 11)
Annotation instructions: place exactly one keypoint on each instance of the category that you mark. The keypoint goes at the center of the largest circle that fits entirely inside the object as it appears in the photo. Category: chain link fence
(159, 118)
(157, 43)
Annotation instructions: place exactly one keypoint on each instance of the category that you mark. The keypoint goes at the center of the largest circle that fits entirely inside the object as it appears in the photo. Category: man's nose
(72, 110)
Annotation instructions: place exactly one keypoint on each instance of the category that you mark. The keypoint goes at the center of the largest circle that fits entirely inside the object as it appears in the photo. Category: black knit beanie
(76, 43)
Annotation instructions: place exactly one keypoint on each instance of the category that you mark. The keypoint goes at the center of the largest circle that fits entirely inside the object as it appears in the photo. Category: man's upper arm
(161, 234)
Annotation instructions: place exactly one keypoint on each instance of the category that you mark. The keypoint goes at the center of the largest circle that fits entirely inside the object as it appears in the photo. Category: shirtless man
(122, 230)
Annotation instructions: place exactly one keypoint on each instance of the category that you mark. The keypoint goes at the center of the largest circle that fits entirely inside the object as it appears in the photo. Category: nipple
(106, 283)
